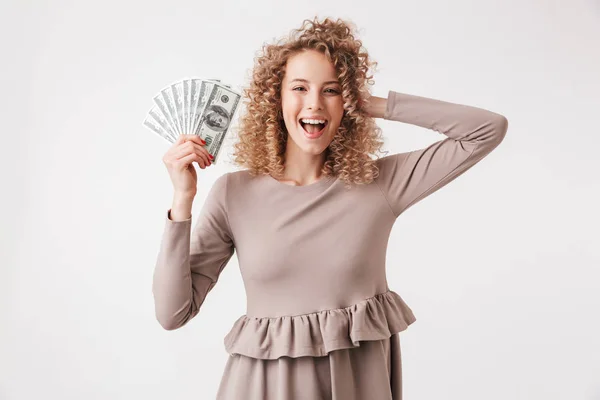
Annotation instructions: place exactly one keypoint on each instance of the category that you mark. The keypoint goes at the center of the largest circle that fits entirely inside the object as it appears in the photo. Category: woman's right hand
(179, 158)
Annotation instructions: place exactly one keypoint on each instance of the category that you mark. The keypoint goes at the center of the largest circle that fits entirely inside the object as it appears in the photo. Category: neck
(302, 168)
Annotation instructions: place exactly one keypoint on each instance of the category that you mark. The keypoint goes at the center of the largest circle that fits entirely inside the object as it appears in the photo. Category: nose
(314, 101)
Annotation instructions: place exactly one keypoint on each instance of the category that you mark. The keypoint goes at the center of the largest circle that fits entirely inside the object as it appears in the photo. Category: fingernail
(211, 156)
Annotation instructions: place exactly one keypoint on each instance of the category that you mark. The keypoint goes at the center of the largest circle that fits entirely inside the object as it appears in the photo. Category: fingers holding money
(193, 152)
(193, 138)
(187, 149)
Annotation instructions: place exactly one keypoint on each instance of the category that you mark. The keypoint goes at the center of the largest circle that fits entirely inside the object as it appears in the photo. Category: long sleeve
(472, 133)
(190, 260)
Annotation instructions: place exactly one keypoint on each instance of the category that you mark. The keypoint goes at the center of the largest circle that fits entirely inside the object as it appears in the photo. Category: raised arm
(472, 133)
(190, 260)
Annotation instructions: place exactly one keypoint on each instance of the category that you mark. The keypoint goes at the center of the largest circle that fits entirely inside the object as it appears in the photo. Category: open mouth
(313, 130)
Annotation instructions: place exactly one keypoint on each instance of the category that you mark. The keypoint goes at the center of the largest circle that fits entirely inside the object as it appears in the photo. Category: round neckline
(322, 182)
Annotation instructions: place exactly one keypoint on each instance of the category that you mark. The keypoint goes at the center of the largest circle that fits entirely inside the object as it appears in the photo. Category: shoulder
(391, 158)
(390, 166)
(386, 162)
(237, 183)
(231, 177)
(240, 178)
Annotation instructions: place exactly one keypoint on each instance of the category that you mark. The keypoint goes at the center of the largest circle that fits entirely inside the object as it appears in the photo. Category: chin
(313, 147)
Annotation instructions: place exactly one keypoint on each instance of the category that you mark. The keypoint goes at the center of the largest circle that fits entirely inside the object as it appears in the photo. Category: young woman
(309, 218)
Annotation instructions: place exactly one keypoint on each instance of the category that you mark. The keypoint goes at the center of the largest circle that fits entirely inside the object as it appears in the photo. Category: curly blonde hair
(262, 133)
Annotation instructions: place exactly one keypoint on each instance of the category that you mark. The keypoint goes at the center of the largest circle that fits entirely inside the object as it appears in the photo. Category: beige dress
(321, 321)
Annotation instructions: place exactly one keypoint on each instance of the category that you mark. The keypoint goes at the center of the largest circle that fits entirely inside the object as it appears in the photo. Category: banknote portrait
(217, 118)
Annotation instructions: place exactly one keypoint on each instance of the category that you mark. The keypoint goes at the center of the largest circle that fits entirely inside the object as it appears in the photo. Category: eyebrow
(305, 81)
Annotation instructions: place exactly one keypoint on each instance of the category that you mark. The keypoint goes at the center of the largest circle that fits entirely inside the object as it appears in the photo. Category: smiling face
(310, 90)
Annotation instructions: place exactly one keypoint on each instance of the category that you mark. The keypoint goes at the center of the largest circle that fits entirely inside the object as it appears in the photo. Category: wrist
(181, 209)
(376, 106)
(184, 196)
(182, 201)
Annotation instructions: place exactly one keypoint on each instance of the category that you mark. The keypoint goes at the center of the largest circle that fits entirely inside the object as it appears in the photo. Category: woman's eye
(326, 90)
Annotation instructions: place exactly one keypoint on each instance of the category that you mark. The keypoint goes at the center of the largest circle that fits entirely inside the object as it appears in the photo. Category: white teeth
(313, 121)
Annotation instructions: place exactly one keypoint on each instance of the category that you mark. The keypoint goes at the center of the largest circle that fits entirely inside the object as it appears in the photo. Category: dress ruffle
(317, 334)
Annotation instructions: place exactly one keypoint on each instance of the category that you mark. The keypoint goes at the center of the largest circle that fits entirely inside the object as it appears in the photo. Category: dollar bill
(161, 104)
(205, 88)
(169, 101)
(219, 81)
(217, 116)
(177, 90)
(186, 104)
(204, 107)
(158, 117)
(200, 88)
(157, 128)
(194, 95)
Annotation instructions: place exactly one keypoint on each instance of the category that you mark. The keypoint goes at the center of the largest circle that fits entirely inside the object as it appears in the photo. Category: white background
(501, 267)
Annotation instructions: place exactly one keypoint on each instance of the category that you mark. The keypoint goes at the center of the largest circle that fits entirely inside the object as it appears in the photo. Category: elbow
(492, 133)
(500, 128)
(168, 324)
(170, 319)
(491, 137)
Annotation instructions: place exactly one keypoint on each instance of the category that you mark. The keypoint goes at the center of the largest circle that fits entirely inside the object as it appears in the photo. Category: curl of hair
(262, 133)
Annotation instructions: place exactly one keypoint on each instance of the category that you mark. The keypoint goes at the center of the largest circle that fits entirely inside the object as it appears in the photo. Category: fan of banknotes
(194, 106)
